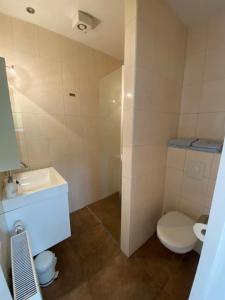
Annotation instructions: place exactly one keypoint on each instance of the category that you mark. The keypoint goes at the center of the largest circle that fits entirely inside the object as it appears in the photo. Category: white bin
(45, 266)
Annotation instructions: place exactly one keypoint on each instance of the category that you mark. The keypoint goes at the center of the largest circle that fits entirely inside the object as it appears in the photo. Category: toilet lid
(175, 231)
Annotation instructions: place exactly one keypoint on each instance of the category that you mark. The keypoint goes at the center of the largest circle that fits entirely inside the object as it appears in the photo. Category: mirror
(9, 154)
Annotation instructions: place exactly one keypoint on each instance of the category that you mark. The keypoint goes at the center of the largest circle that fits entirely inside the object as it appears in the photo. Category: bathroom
(122, 116)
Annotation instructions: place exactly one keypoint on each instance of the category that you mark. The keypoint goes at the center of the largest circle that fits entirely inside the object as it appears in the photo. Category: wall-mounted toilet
(175, 231)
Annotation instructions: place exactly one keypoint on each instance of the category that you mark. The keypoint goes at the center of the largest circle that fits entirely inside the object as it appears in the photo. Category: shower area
(108, 208)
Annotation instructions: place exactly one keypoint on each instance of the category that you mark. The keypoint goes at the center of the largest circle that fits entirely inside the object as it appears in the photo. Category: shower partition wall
(110, 95)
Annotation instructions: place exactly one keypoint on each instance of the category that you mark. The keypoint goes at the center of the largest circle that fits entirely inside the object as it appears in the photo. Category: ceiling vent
(83, 21)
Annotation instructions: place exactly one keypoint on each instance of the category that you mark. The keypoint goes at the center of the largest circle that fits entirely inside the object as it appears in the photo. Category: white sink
(32, 184)
(42, 205)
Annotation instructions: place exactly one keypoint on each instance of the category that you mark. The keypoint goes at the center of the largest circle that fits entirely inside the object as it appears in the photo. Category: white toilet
(175, 231)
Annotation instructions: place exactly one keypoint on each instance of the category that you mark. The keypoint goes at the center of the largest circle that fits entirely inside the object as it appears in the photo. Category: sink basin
(31, 182)
(35, 182)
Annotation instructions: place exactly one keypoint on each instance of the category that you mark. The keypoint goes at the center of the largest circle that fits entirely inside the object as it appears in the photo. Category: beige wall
(110, 131)
(203, 104)
(154, 65)
(54, 129)
(190, 181)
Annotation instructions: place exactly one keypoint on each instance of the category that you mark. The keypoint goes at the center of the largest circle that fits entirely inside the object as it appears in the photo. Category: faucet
(24, 165)
(10, 174)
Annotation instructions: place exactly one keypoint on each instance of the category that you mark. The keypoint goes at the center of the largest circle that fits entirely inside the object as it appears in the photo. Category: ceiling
(56, 15)
(194, 11)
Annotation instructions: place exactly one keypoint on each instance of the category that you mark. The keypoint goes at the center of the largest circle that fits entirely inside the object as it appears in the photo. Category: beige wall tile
(191, 208)
(162, 57)
(173, 181)
(6, 38)
(131, 10)
(127, 127)
(197, 38)
(211, 189)
(71, 79)
(38, 152)
(171, 201)
(58, 149)
(155, 181)
(127, 162)
(34, 125)
(198, 164)
(68, 48)
(146, 50)
(156, 159)
(194, 68)
(154, 128)
(144, 89)
(211, 125)
(165, 95)
(129, 81)
(195, 190)
(176, 158)
(163, 127)
(216, 35)
(130, 40)
(25, 38)
(213, 96)
(72, 105)
(48, 43)
(56, 126)
(187, 125)
(125, 213)
(215, 64)
(215, 166)
(142, 128)
(191, 99)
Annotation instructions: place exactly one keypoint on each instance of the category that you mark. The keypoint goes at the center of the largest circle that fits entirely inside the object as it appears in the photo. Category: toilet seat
(175, 231)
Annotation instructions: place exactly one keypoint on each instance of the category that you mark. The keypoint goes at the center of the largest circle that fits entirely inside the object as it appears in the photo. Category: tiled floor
(93, 268)
(108, 211)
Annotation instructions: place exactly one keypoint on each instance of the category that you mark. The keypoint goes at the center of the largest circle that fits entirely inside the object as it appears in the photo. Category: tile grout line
(104, 227)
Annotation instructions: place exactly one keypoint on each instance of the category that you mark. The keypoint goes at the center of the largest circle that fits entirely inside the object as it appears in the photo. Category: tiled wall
(154, 64)
(203, 104)
(190, 181)
(110, 131)
(127, 125)
(54, 128)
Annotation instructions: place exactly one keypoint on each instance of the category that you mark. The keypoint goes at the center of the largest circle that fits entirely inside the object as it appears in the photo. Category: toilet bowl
(175, 232)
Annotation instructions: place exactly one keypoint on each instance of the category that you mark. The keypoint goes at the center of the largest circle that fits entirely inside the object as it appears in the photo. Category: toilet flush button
(195, 169)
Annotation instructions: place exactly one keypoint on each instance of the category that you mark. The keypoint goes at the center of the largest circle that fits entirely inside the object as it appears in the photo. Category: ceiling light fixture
(82, 27)
(83, 21)
(30, 10)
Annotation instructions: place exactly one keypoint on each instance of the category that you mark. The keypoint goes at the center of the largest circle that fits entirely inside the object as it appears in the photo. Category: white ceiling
(56, 15)
(194, 11)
